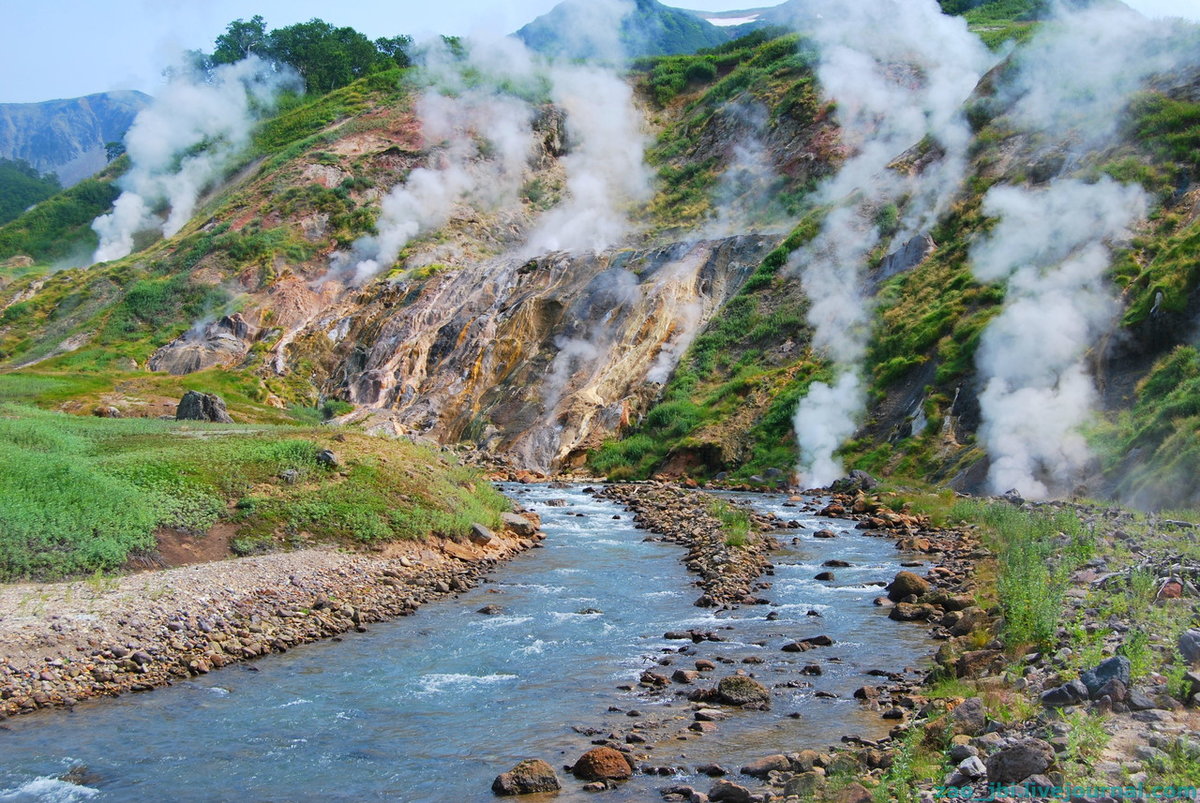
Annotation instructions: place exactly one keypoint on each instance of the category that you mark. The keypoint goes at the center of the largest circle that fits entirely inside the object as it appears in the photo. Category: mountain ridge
(67, 136)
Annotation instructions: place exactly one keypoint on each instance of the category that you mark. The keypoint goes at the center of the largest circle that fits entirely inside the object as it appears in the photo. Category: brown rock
(602, 764)
(529, 777)
(907, 584)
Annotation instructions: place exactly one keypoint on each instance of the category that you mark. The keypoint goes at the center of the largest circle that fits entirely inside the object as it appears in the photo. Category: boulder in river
(602, 764)
(518, 524)
(763, 767)
(741, 690)
(907, 584)
(197, 406)
(728, 792)
(529, 777)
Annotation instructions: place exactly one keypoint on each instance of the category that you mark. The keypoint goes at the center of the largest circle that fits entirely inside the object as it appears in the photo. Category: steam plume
(899, 72)
(606, 171)
(1070, 86)
(183, 142)
(1037, 392)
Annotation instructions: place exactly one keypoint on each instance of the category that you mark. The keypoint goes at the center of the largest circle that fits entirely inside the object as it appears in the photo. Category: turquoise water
(431, 707)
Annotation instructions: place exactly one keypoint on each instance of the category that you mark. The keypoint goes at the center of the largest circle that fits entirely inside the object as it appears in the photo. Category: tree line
(325, 56)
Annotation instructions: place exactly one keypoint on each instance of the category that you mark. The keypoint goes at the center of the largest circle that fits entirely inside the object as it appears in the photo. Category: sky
(68, 48)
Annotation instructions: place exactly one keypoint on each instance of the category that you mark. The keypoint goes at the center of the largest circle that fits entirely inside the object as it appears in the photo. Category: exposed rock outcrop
(197, 406)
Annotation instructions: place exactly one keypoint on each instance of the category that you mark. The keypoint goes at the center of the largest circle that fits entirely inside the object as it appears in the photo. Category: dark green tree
(241, 38)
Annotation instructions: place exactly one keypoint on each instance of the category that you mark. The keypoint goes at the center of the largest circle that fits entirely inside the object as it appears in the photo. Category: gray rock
(959, 752)
(529, 777)
(327, 458)
(973, 768)
(728, 792)
(1071, 693)
(1139, 701)
(1189, 645)
(741, 690)
(969, 718)
(1017, 762)
(197, 406)
(480, 535)
(518, 524)
(1117, 668)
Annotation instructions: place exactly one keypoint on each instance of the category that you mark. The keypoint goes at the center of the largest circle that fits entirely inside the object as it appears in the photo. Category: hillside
(67, 137)
(621, 282)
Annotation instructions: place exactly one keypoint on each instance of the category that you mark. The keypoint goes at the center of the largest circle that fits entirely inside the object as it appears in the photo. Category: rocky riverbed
(62, 643)
(701, 694)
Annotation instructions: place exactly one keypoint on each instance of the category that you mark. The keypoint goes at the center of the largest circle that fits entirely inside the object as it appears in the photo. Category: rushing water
(433, 706)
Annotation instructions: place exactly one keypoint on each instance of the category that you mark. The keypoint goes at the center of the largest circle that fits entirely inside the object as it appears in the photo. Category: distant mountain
(67, 137)
(739, 23)
(578, 29)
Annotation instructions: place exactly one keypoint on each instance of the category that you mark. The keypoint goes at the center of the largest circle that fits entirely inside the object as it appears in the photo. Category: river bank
(63, 643)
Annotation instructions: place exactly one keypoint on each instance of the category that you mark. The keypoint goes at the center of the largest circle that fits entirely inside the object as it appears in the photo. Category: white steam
(463, 128)
(743, 195)
(1076, 77)
(180, 144)
(606, 170)
(1037, 392)
(899, 72)
(1070, 86)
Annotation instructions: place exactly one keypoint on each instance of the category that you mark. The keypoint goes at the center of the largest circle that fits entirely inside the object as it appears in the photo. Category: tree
(113, 150)
(395, 48)
(241, 38)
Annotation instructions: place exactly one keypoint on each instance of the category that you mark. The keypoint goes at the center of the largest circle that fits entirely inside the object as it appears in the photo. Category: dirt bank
(61, 643)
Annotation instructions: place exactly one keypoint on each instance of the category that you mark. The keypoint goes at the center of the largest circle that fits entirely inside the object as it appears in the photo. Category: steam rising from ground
(606, 171)
(744, 191)
(461, 128)
(899, 72)
(183, 142)
(1071, 86)
(1049, 247)
(482, 138)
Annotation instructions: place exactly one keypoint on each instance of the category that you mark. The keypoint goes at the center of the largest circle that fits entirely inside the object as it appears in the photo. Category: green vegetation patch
(78, 494)
(22, 186)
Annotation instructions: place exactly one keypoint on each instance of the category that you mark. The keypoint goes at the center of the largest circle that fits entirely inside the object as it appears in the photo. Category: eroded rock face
(538, 359)
(224, 342)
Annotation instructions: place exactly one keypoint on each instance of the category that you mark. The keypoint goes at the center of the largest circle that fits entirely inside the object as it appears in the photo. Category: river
(431, 707)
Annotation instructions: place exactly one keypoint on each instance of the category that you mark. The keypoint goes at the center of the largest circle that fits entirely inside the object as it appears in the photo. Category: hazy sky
(66, 48)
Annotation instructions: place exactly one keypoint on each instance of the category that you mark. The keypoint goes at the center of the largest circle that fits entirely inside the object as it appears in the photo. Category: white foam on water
(50, 790)
(493, 622)
(440, 682)
(807, 606)
(536, 648)
(538, 587)
(297, 701)
(566, 617)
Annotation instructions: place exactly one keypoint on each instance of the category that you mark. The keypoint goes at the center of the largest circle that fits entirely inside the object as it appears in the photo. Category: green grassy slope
(81, 494)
